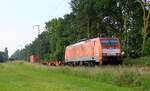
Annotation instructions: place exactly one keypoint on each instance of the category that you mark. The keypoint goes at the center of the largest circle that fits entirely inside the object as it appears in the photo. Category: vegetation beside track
(137, 78)
(22, 76)
(142, 61)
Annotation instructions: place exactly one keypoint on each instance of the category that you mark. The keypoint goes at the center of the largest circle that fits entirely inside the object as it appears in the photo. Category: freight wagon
(34, 59)
(94, 51)
(53, 63)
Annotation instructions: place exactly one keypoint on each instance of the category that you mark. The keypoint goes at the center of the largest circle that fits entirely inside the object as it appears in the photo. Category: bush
(147, 47)
(142, 61)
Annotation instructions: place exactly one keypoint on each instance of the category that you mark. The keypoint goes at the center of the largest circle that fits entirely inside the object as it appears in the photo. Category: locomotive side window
(94, 43)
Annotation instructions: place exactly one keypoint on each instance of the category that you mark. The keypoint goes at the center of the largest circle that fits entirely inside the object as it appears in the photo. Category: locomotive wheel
(92, 64)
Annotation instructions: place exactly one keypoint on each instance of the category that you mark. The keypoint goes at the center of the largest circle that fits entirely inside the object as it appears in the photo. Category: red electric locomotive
(94, 51)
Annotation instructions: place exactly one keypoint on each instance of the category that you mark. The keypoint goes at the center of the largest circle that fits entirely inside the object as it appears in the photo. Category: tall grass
(124, 76)
(134, 77)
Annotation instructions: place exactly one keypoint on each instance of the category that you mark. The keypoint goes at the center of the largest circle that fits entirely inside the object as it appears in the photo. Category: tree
(88, 19)
(145, 4)
(129, 19)
(2, 57)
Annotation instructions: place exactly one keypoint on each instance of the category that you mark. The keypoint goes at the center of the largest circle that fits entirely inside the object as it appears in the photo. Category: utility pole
(38, 27)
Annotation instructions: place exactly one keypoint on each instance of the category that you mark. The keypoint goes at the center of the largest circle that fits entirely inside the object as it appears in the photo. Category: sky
(17, 18)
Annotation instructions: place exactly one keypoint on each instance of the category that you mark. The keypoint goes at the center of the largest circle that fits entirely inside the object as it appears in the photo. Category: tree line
(129, 20)
(4, 55)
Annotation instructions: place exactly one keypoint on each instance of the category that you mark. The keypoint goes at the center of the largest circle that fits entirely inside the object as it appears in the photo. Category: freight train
(100, 50)
(94, 51)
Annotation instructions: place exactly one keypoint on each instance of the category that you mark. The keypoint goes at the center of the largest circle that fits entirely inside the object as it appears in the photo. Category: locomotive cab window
(113, 42)
(108, 42)
(105, 42)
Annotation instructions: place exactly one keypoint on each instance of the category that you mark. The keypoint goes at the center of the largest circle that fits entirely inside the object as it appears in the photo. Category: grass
(122, 76)
(143, 61)
(22, 76)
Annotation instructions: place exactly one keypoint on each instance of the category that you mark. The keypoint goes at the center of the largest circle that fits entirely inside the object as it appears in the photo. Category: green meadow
(23, 76)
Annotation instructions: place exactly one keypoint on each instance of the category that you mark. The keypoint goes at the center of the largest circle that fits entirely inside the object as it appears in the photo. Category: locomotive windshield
(108, 42)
